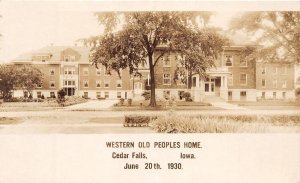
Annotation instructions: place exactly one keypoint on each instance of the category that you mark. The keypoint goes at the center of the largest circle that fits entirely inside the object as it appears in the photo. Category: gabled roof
(55, 52)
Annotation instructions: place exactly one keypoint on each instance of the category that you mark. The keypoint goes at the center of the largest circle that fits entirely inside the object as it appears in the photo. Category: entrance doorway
(212, 86)
(138, 88)
(69, 91)
(209, 86)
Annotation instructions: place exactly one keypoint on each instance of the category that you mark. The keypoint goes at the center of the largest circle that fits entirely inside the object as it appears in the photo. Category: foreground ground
(99, 117)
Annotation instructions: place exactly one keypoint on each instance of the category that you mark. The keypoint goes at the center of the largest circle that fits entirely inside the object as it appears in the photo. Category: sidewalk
(93, 105)
(225, 105)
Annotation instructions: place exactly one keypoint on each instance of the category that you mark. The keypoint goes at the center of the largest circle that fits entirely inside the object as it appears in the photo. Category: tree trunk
(152, 82)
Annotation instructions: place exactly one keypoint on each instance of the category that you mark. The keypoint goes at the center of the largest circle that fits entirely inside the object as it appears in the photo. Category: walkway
(93, 105)
(225, 105)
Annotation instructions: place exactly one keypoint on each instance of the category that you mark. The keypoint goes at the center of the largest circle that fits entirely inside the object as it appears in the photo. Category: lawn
(178, 105)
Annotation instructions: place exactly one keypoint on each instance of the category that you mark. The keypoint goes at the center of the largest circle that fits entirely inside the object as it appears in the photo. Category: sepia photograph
(149, 71)
(175, 79)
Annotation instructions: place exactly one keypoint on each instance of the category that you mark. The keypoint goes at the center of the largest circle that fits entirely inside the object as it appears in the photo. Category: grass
(9, 121)
(172, 123)
(180, 105)
(267, 103)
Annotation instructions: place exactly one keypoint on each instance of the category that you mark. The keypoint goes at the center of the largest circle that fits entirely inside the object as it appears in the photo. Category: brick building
(233, 78)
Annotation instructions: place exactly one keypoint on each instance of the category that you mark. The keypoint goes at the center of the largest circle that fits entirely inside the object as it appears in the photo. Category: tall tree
(277, 32)
(29, 77)
(139, 34)
(8, 79)
(198, 51)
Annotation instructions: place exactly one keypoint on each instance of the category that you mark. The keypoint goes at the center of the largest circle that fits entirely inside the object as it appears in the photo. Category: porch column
(197, 81)
(222, 81)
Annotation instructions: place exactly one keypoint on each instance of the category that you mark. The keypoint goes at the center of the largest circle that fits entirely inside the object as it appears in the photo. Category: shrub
(297, 93)
(121, 101)
(61, 97)
(135, 120)
(146, 95)
(173, 123)
(187, 96)
(129, 101)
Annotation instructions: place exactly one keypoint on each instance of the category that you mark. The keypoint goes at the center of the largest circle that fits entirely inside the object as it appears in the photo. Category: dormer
(42, 57)
(69, 55)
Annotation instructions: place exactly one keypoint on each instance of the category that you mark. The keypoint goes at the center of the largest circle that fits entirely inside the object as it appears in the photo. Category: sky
(30, 25)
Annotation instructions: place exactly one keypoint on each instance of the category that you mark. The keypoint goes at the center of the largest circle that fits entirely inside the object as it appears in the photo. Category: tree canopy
(26, 77)
(132, 38)
(278, 33)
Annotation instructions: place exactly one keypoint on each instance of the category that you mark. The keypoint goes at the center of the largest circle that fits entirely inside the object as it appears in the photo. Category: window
(284, 84)
(283, 95)
(106, 94)
(243, 79)
(39, 94)
(86, 94)
(98, 72)
(263, 83)
(25, 94)
(243, 62)
(106, 84)
(274, 95)
(167, 61)
(69, 58)
(180, 61)
(167, 79)
(230, 80)
(52, 72)
(264, 70)
(52, 84)
(85, 71)
(167, 94)
(85, 83)
(243, 95)
(107, 72)
(180, 95)
(66, 58)
(69, 70)
(98, 84)
(194, 81)
(98, 95)
(119, 83)
(263, 95)
(229, 60)
(69, 83)
(39, 85)
(274, 83)
(52, 95)
(119, 94)
(229, 95)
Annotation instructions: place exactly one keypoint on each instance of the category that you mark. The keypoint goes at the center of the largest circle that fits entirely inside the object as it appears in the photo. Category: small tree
(61, 97)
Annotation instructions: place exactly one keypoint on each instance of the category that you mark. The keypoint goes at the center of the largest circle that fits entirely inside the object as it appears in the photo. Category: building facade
(233, 78)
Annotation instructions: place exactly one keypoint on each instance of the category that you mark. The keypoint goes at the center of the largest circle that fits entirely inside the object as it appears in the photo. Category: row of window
(274, 70)
(99, 94)
(283, 95)
(85, 71)
(274, 83)
(51, 84)
(167, 60)
(243, 79)
(229, 61)
(106, 84)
